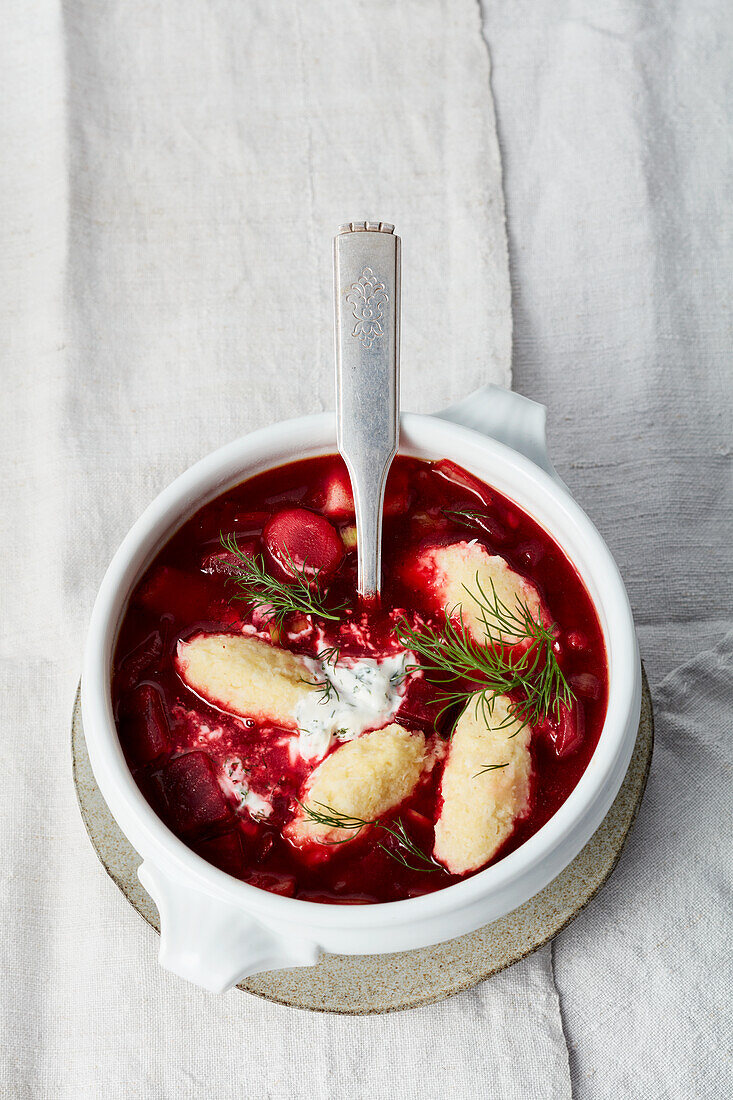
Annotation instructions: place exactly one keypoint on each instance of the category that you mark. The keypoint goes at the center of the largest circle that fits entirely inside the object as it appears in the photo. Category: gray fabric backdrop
(615, 130)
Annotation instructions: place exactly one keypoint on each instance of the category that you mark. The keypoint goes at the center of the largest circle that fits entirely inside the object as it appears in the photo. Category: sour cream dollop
(357, 694)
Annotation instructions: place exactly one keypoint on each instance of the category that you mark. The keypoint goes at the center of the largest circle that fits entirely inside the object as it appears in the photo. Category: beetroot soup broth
(303, 743)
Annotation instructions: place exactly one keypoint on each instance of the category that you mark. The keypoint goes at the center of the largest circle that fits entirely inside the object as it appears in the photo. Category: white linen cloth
(172, 176)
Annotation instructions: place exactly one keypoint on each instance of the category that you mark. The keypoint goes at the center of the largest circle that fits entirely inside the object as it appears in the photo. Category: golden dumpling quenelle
(454, 576)
(482, 802)
(245, 676)
(365, 779)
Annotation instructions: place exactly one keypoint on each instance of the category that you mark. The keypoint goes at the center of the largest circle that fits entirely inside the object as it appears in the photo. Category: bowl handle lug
(509, 418)
(212, 943)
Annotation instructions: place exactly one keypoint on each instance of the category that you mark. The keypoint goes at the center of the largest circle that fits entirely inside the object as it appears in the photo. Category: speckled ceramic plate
(364, 984)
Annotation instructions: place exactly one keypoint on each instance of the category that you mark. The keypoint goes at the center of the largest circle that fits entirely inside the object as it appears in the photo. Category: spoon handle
(366, 267)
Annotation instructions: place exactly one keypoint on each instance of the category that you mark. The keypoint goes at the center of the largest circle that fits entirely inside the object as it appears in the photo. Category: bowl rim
(302, 437)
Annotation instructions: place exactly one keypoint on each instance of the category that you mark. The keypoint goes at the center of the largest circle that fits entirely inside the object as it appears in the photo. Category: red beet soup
(328, 751)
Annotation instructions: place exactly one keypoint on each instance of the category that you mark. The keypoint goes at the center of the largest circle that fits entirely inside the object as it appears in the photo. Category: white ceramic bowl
(216, 930)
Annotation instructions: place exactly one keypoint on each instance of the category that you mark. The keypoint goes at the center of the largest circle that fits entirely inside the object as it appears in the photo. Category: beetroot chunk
(397, 494)
(338, 501)
(277, 883)
(297, 537)
(420, 705)
(249, 523)
(192, 793)
(566, 732)
(460, 477)
(586, 684)
(225, 852)
(142, 657)
(144, 727)
(174, 592)
(224, 562)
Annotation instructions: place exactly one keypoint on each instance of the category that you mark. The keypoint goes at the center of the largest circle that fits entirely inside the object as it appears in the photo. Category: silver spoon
(366, 271)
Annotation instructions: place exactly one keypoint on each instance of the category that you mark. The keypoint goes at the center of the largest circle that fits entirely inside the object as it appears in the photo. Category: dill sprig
(405, 841)
(490, 768)
(484, 671)
(466, 517)
(398, 678)
(303, 594)
(335, 819)
(331, 655)
(325, 688)
(450, 655)
(545, 683)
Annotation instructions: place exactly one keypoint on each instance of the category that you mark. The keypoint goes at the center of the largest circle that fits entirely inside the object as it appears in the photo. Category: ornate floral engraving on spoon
(367, 311)
(367, 297)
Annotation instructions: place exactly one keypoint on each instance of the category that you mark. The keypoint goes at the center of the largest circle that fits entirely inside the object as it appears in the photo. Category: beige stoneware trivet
(365, 984)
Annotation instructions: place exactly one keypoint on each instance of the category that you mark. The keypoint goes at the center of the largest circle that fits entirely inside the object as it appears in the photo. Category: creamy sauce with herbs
(356, 694)
(236, 781)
